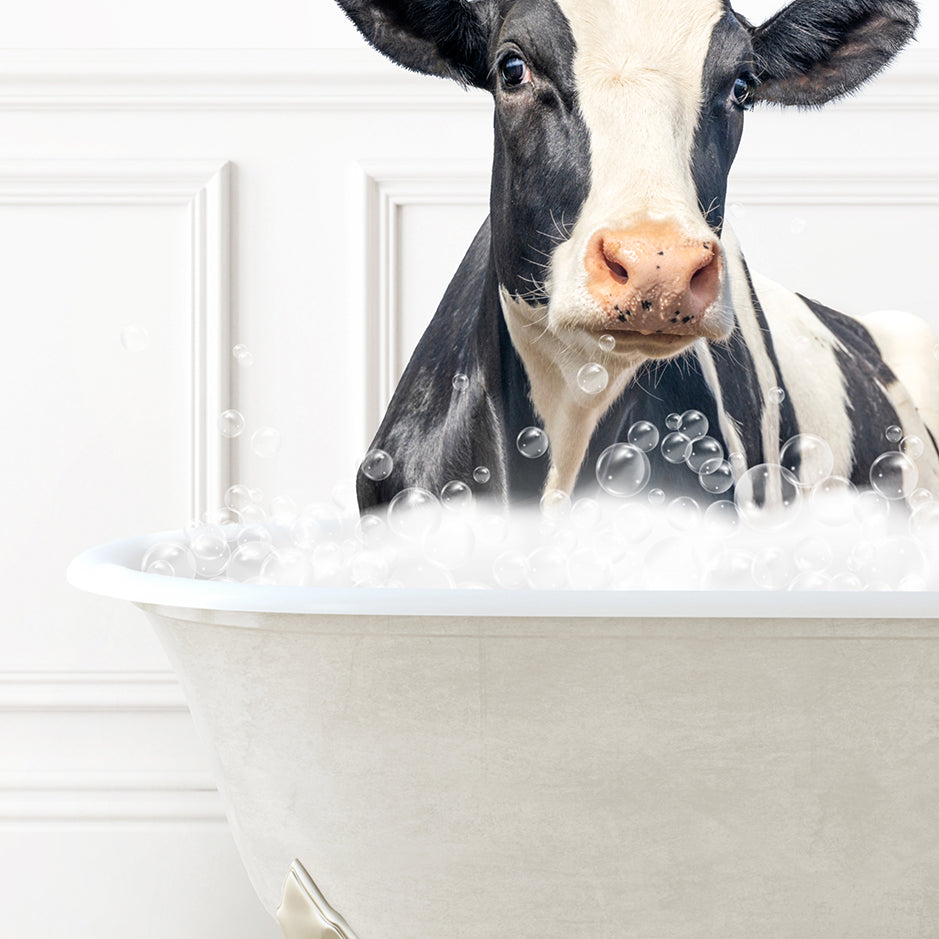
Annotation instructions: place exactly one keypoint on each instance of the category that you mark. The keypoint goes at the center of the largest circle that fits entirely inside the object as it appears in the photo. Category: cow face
(616, 123)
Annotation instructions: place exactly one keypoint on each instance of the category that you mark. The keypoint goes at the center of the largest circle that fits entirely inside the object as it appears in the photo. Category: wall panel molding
(202, 187)
(314, 78)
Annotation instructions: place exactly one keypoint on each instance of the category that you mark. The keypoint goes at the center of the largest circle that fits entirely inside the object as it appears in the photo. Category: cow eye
(514, 71)
(743, 91)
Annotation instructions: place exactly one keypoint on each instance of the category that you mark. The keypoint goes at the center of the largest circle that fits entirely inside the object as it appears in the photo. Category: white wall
(202, 170)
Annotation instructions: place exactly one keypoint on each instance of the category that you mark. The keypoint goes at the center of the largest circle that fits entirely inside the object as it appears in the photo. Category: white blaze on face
(638, 66)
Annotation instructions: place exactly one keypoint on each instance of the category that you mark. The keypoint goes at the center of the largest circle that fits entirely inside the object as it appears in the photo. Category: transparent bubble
(924, 522)
(730, 570)
(776, 395)
(623, 470)
(722, 514)
(673, 421)
(592, 378)
(252, 514)
(284, 510)
(265, 442)
(460, 382)
(912, 447)
(242, 356)
(423, 574)
(683, 514)
(889, 561)
(705, 455)
(892, 473)
(871, 509)
(413, 513)
(676, 447)
(797, 225)
(656, 497)
(845, 580)
(718, 477)
(607, 343)
(643, 435)
(586, 514)
(633, 523)
(693, 424)
(773, 567)
(318, 521)
(893, 433)
(288, 567)
(452, 544)
(510, 569)
(547, 568)
(832, 501)
(585, 572)
(247, 560)
(135, 338)
(369, 569)
(555, 504)
(811, 580)
(492, 528)
(532, 442)
(238, 497)
(813, 554)
(482, 475)
(456, 495)
(377, 465)
(808, 458)
(253, 532)
(371, 530)
(327, 560)
(231, 423)
(170, 558)
(210, 550)
(919, 497)
(767, 496)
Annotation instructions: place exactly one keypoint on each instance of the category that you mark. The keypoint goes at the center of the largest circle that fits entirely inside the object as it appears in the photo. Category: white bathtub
(538, 765)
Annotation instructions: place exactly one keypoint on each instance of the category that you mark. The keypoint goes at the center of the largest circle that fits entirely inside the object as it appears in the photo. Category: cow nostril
(705, 283)
(620, 274)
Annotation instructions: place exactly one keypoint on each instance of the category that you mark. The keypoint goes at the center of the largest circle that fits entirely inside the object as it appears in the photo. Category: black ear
(816, 50)
(437, 37)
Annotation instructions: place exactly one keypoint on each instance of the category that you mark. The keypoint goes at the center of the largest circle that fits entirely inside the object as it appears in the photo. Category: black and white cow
(616, 123)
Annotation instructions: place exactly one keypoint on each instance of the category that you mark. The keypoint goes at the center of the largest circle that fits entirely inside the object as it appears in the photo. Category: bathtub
(402, 764)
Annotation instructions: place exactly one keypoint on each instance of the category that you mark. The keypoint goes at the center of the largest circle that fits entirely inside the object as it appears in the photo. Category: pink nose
(653, 278)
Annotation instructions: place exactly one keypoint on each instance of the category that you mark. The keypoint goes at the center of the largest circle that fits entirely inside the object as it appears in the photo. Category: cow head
(616, 123)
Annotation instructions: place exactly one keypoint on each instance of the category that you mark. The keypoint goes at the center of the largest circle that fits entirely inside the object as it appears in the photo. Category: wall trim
(203, 187)
(82, 692)
(37, 79)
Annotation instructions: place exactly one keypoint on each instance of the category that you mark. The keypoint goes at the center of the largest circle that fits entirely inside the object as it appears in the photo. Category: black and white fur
(633, 109)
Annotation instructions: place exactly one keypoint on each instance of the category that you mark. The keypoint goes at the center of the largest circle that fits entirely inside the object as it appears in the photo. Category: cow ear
(438, 37)
(815, 50)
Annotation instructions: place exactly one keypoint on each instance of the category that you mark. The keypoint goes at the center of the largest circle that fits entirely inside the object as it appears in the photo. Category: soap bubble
(832, 501)
(253, 532)
(242, 356)
(813, 554)
(287, 566)
(555, 504)
(547, 568)
(889, 472)
(169, 558)
(532, 442)
(871, 509)
(377, 465)
(683, 514)
(767, 496)
(643, 435)
(717, 478)
(893, 433)
(265, 442)
(210, 550)
(676, 447)
(510, 569)
(811, 580)
(452, 544)
(633, 523)
(592, 378)
(673, 421)
(284, 510)
(607, 343)
(460, 382)
(481, 475)
(776, 395)
(247, 559)
(924, 522)
(705, 455)
(586, 514)
(623, 470)
(370, 529)
(135, 338)
(722, 514)
(656, 497)
(693, 424)
(252, 514)
(369, 569)
(327, 561)
(586, 572)
(423, 574)
(912, 447)
(231, 423)
(318, 521)
(238, 497)
(456, 495)
(413, 513)
(773, 567)
(919, 497)
(808, 458)
(845, 580)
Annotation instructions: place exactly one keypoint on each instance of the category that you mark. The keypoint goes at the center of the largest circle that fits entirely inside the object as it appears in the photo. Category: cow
(616, 124)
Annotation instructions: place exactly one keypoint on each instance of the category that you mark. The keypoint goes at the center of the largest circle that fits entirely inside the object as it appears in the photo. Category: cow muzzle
(655, 285)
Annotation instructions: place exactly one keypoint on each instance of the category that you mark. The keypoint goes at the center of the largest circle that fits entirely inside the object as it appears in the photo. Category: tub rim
(108, 570)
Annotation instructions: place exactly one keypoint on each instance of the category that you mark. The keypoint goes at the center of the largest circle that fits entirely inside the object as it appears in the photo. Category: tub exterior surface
(478, 777)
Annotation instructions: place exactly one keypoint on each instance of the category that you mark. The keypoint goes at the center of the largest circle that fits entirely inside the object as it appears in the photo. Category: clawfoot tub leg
(304, 913)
